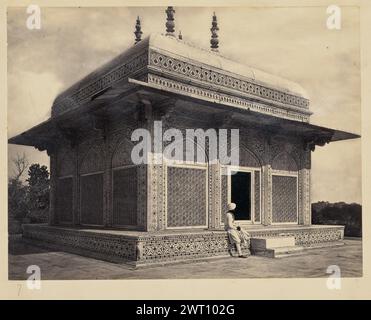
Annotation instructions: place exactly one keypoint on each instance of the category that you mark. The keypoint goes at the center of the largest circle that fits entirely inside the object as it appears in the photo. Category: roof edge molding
(176, 60)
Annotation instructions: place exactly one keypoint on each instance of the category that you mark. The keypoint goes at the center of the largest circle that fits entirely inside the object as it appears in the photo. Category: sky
(293, 43)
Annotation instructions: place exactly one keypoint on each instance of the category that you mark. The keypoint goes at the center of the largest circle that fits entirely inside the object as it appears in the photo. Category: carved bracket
(48, 146)
(310, 144)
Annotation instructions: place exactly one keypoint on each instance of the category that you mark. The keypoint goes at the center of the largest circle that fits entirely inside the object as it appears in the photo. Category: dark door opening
(241, 194)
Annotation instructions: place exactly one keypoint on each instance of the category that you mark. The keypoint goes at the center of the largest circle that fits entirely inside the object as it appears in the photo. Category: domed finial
(214, 35)
(138, 31)
(170, 21)
(180, 35)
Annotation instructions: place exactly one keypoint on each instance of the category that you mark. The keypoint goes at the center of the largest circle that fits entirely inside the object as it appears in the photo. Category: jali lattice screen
(64, 200)
(284, 199)
(125, 196)
(92, 199)
(186, 197)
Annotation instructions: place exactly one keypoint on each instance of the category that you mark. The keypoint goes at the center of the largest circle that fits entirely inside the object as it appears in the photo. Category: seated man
(235, 233)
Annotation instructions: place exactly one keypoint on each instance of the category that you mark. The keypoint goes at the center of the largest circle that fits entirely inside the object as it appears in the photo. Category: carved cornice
(217, 97)
(222, 79)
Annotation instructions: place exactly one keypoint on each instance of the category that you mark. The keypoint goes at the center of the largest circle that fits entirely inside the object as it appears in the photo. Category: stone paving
(65, 266)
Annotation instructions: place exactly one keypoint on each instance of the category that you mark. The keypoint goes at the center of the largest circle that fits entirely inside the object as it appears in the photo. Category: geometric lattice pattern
(91, 199)
(196, 245)
(92, 244)
(125, 197)
(284, 199)
(257, 196)
(64, 200)
(186, 197)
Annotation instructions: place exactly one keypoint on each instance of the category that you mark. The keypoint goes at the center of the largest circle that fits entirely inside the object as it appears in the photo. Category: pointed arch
(248, 158)
(93, 160)
(284, 161)
(121, 155)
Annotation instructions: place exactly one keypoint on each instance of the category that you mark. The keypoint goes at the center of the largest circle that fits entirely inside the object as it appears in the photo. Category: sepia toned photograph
(180, 142)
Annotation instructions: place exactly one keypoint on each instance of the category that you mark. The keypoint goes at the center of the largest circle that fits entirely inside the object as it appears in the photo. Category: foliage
(38, 187)
(27, 202)
(340, 213)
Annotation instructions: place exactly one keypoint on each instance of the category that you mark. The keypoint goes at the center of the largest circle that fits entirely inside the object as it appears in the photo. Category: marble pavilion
(102, 205)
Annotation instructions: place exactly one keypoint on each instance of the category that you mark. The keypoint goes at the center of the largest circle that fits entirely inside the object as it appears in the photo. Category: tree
(38, 192)
(20, 163)
(17, 194)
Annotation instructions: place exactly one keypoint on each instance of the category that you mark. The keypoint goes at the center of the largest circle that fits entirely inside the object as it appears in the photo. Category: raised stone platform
(147, 249)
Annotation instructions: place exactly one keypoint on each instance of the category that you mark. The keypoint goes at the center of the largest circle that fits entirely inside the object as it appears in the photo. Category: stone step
(279, 252)
(275, 247)
(272, 242)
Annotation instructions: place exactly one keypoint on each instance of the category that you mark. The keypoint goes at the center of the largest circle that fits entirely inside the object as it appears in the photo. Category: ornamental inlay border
(211, 76)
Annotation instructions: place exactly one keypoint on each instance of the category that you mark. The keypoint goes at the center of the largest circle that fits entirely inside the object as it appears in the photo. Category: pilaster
(214, 195)
(266, 195)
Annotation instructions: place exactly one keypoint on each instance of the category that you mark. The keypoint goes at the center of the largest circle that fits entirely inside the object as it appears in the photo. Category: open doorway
(241, 194)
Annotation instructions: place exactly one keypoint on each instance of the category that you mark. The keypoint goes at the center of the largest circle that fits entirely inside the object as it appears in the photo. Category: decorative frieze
(222, 79)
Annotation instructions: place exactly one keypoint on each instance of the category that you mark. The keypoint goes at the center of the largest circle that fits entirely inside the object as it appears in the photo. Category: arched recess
(121, 156)
(91, 186)
(248, 158)
(124, 185)
(93, 160)
(189, 147)
(284, 161)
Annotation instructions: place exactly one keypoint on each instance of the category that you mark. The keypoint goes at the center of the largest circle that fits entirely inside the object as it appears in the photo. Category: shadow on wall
(340, 213)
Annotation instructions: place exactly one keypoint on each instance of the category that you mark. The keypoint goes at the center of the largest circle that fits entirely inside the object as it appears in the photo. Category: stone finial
(138, 31)
(170, 21)
(214, 35)
(180, 35)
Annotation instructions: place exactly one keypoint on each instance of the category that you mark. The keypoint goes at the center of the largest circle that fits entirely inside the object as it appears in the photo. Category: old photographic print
(184, 142)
